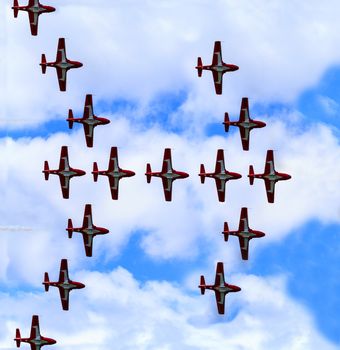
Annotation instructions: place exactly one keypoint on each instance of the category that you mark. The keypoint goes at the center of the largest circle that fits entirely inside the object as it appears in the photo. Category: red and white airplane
(220, 287)
(89, 120)
(221, 175)
(36, 340)
(65, 172)
(245, 123)
(88, 230)
(168, 174)
(244, 233)
(64, 284)
(34, 9)
(217, 67)
(61, 64)
(270, 176)
(114, 172)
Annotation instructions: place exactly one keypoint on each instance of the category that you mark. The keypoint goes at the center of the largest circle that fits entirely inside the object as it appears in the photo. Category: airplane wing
(35, 330)
(220, 164)
(243, 225)
(88, 242)
(64, 162)
(218, 81)
(244, 117)
(65, 186)
(87, 221)
(63, 274)
(167, 164)
(220, 301)
(219, 278)
(114, 187)
(270, 190)
(217, 55)
(167, 187)
(61, 50)
(64, 298)
(33, 18)
(88, 131)
(62, 75)
(113, 162)
(88, 107)
(244, 246)
(269, 167)
(220, 186)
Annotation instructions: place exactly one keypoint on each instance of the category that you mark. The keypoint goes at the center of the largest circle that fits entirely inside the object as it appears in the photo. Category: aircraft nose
(131, 173)
(235, 67)
(185, 175)
(237, 175)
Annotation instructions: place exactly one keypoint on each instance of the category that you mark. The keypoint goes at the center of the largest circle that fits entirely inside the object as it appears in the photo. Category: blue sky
(141, 74)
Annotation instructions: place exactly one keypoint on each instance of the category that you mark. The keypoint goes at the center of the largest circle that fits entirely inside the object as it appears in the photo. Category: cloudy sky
(141, 284)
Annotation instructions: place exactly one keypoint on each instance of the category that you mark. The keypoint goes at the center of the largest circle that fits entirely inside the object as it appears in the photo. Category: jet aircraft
(217, 67)
(64, 284)
(34, 10)
(220, 287)
(244, 233)
(89, 120)
(61, 64)
(88, 230)
(65, 172)
(270, 176)
(36, 340)
(245, 123)
(221, 175)
(114, 172)
(168, 174)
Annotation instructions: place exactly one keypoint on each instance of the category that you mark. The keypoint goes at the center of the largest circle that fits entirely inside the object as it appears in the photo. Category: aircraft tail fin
(199, 66)
(15, 8)
(226, 231)
(251, 174)
(46, 282)
(226, 122)
(95, 172)
(202, 173)
(17, 337)
(69, 228)
(43, 63)
(46, 170)
(148, 173)
(70, 119)
(202, 285)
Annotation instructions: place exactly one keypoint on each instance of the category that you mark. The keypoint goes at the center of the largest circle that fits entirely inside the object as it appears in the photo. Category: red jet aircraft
(88, 230)
(168, 174)
(61, 64)
(221, 288)
(36, 340)
(65, 172)
(221, 175)
(217, 67)
(270, 176)
(244, 233)
(114, 172)
(245, 123)
(34, 9)
(64, 284)
(89, 120)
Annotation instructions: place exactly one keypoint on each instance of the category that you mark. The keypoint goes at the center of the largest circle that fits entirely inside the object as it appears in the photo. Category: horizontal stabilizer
(226, 231)
(46, 282)
(15, 8)
(202, 173)
(148, 173)
(70, 119)
(17, 337)
(199, 66)
(43, 63)
(46, 170)
(95, 172)
(69, 228)
(251, 174)
(226, 122)
(202, 285)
